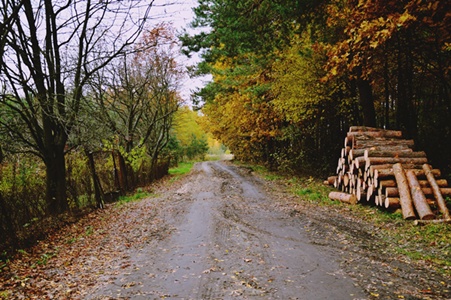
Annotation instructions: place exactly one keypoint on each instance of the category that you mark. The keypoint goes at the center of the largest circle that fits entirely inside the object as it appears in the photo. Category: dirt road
(220, 233)
(230, 240)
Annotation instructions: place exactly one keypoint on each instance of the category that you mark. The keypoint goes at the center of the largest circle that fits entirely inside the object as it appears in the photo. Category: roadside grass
(180, 170)
(138, 195)
(430, 244)
(183, 168)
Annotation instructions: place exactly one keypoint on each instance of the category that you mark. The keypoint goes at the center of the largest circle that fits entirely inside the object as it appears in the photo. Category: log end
(428, 217)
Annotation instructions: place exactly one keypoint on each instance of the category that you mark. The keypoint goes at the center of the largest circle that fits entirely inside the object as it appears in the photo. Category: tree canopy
(289, 78)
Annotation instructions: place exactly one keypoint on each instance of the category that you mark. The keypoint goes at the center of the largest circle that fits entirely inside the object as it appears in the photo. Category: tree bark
(393, 160)
(343, 197)
(394, 192)
(366, 100)
(404, 192)
(406, 153)
(437, 192)
(56, 181)
(425, 222)
(359, 143)
(419, 200)
(392, 202)
(386, 173)
(362, 128)
(376, 134)
(98, 191)
(393, 151)
(330, 180)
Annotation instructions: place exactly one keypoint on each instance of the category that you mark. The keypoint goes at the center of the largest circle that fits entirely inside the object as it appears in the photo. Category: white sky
(179, 13)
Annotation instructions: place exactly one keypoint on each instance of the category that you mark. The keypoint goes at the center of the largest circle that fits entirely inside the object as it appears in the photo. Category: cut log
(394, 160)
(369, 192)
(404, 166)
(383, 148)
(423, 183)
(425, 222)
(362, 128)
(401, 153)
(330, 180)
(378, 133)
(349, 142)
(394, 192)
(404, 192)
(419, 200)
(359, 162)
(359, 143)
(436, 191)
(346, 180)
(386, 173)
(343, 197)
(391, 202)
(387, 183)
(358, 190)
(382, 197)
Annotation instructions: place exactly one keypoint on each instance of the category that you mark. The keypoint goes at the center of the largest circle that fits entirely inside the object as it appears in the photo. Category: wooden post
(436, 190)
(404, 192)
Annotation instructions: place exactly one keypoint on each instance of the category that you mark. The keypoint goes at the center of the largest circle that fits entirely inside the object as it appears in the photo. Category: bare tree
(138, 96)
(50, 50)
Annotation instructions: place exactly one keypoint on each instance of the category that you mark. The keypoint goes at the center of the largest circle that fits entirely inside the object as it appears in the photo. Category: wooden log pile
(378, 165)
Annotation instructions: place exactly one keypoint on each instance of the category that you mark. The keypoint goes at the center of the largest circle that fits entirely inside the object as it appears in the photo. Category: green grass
(182, 168)
(138, 195)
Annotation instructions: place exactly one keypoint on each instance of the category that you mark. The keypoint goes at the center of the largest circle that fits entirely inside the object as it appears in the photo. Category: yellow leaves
(404, 19)
(375, 295)
(187, 125)
(334, 71)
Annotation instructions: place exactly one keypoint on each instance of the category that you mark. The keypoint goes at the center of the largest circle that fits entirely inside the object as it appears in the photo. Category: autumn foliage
(290, 78)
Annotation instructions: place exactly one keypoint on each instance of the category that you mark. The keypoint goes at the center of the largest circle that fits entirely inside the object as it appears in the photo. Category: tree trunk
(123, 179)
(56, 181)
(98, 191)
(366, 101)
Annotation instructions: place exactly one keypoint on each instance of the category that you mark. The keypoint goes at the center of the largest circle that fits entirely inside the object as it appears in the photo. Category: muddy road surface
(225, 234)
(230, 240)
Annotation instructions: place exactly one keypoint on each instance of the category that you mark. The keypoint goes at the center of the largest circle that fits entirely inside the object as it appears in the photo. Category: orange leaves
(369, 26)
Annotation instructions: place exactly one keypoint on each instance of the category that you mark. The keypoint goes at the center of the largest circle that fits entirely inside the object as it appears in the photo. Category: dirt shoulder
(220, 233)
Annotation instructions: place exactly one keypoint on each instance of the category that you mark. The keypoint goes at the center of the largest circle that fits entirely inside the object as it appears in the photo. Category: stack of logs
(379, 165)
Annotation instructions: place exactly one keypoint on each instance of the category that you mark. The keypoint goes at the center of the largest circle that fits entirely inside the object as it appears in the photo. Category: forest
(291, 77)
(90, 110)
(90, 106)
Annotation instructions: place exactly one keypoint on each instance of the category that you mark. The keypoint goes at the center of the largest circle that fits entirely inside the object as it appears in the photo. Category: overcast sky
(179, 13)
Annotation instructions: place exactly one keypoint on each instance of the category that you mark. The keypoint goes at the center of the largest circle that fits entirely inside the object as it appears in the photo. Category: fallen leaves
(71, 260)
